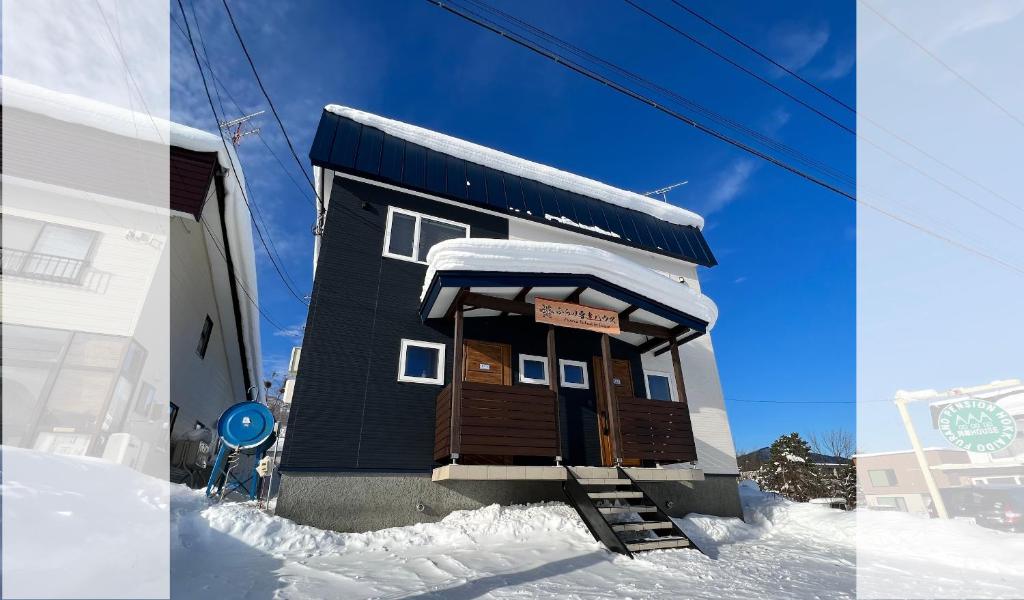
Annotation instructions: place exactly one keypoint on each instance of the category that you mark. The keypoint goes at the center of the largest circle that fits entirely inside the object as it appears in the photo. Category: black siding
(349, 411)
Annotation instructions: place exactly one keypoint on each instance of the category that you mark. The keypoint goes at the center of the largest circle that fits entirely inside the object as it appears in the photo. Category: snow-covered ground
(540, 551)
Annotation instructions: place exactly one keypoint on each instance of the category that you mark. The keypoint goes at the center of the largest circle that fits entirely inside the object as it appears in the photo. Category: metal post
(922, 460)
(613, 404)
(455, 445)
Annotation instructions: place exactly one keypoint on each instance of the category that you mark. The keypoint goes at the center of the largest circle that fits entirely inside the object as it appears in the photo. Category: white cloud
(840, 67)
(739, 279)
(796, 45)
(729, 184)
(295, 331)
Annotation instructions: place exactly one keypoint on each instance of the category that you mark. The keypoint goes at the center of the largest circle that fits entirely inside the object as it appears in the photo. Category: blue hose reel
(245, 429)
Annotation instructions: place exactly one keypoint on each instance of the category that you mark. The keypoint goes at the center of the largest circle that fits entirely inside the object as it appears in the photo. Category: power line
(742, 68)
(234, 171)
(867, 118)
(763, 55)
(480, 21)
(837, 402)
(273, 109)
(935, 57)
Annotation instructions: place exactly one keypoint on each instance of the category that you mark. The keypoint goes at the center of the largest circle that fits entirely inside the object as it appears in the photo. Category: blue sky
(785, 285)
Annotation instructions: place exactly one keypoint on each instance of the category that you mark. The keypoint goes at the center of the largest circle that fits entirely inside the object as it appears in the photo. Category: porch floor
(503, 472)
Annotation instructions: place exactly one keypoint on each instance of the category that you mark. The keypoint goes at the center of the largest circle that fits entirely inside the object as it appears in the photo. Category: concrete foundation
(366, 501)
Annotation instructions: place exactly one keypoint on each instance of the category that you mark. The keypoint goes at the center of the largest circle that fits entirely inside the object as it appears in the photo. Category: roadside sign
(977, 426)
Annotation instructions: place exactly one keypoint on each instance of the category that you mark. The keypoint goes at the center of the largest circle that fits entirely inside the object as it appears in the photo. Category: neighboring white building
(128, 284)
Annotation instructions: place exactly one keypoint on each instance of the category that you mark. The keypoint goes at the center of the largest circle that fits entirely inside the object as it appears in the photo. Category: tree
(837, 442)
(788, 470)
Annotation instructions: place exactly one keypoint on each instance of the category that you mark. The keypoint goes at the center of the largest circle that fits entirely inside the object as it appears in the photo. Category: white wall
(202, 387)
(716, 452)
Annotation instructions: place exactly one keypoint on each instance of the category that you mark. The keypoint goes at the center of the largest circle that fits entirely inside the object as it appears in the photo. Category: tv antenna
(235, 126)
(663, 192)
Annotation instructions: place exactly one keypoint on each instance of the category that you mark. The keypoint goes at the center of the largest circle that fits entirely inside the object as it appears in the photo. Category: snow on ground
(538, 551)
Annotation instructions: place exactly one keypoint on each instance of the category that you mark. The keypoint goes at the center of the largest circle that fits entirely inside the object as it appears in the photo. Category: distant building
(893, 480)
(750, 462)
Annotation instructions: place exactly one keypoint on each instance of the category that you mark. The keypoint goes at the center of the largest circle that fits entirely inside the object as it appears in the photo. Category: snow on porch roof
(350, 140)
(611, 281)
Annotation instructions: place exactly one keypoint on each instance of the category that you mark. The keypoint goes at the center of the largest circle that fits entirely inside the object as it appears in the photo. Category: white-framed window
(573, 373)
(660, 385)
(533, 369)
(421, 362)
(410, 235)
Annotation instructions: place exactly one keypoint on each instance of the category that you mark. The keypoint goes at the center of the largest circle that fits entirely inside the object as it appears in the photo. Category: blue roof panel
(342, 144)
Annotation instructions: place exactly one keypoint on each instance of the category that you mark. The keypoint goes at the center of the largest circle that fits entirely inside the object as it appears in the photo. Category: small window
(410, 236)
(882, 477)
(533, 369)
(421, 362)
(204, 337)
(574, 374)
(659, 385)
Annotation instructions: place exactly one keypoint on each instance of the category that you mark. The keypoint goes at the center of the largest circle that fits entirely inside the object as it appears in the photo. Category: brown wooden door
(487, 362)
(622, 380)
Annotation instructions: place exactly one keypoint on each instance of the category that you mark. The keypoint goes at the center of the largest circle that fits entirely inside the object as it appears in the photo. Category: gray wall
(366, 502)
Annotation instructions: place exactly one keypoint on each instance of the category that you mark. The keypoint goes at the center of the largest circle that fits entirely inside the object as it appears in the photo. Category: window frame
(440, 347)
(417, 226)
(562, 362)
(522, 375)
(892, 481)
(673, 395)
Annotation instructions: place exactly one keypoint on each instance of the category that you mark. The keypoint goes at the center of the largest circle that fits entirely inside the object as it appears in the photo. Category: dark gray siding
(349, 411)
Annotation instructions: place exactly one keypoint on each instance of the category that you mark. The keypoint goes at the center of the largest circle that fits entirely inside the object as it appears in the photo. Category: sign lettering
(576, 316)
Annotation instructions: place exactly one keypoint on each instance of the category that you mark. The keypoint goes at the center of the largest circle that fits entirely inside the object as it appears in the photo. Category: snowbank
(507, 163)
(515, 256)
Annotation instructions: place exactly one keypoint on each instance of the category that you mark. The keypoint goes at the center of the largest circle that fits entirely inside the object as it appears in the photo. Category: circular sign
(977, 426)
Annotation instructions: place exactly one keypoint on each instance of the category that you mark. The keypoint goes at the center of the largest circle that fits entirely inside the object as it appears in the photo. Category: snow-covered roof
(517, 256)
(514, 165)
(75, 109)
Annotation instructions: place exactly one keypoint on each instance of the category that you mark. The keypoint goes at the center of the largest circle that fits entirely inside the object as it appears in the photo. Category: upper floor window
(410, 235)
(573, 373)
(421, 362)
(48, 251)
(533, 369)
(882, 477)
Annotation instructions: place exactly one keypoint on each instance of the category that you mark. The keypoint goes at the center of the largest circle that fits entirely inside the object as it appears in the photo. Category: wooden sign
(576, 316)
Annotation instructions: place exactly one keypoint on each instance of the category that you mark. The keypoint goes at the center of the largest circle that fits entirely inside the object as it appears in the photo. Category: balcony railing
(498, 421)
(46, 267)
(656, 430)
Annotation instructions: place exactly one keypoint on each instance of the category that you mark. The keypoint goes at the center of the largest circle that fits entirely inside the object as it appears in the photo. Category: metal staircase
(619, 514)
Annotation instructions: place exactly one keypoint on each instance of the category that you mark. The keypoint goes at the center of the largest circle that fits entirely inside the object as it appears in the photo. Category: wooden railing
(655, 430)
(498, 420)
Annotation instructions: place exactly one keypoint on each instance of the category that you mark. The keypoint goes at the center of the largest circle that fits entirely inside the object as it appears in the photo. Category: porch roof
(505, 276)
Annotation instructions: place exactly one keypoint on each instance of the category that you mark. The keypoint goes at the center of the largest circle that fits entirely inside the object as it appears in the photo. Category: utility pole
(922, 460)
(663, 192)
(235, 127)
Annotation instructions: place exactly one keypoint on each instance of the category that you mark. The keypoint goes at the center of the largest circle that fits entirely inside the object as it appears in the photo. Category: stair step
(618, 510)
(602, 481)
(659, 543)
(647, 526)
(603, 495)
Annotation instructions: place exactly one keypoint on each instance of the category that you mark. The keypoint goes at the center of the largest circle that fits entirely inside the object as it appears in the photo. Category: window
(660, 386)
(421, 362)
(882, 477)
(204, 337)
(533, 369)
(574, 374)
(892, 502)
(410, 236)
(46, 250)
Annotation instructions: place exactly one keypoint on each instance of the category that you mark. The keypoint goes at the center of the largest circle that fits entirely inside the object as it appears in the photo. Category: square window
(410, 236)
(533, 369)
(659, 385)
(574, 374)
(882, 477)
(421, 362)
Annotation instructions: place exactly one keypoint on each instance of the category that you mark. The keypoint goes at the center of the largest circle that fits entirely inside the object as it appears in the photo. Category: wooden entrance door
(487, 362)
(622, 380)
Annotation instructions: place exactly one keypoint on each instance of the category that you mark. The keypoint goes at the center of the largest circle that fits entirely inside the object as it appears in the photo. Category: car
(999, 507)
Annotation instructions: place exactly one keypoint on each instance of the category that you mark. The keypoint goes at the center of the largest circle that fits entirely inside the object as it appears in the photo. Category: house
(480, 322)
(129, 314)
(894, 481)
